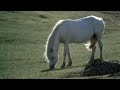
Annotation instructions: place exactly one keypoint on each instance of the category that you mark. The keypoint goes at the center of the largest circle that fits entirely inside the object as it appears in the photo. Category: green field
(23, 35)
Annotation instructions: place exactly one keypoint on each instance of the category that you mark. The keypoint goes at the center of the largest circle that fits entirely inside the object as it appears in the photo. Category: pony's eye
(52, 58)
(51, 50)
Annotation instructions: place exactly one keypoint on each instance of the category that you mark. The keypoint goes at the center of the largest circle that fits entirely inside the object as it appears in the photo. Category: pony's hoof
(62, 67)
(88, 65)
(90, 62)
(69, 65)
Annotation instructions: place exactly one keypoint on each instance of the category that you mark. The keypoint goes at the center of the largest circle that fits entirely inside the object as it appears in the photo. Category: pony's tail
(91, 43)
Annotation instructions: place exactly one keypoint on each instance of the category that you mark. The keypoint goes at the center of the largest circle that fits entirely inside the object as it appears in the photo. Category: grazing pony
(68, 31)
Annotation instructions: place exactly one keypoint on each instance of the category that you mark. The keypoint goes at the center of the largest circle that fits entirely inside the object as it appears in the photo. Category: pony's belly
(79, 40)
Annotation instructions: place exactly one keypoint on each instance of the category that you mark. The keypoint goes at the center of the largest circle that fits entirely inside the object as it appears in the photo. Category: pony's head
(50, 53)
(52, 58)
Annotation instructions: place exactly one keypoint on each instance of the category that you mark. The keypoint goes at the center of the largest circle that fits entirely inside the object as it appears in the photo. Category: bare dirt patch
(99, 67)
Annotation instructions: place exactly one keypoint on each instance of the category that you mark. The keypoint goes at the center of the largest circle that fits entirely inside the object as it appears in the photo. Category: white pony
(68, 31)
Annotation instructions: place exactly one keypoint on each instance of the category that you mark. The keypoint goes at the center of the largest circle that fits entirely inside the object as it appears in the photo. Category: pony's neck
(53, 43)
(53, 40)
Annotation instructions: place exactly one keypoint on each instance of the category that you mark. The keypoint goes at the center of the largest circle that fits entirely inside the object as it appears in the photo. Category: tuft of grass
(42, 16)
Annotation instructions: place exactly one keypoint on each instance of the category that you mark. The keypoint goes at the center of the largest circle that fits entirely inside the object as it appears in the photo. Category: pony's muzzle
(52, 67)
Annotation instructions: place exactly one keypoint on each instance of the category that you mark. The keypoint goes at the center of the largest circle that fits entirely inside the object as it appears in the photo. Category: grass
(23, 35)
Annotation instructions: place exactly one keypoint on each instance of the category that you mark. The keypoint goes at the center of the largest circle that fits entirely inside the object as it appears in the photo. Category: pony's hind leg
(101, 49)
(64, 54)
(100, 45)
(92, 55)
(69, 57)
(92, 46)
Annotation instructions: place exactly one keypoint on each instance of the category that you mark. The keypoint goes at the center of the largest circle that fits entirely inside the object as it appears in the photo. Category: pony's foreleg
(64, 54)
(69, 57)
(92, 55)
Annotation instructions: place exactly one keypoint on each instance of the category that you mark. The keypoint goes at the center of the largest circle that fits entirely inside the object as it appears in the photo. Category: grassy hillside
(23, 35)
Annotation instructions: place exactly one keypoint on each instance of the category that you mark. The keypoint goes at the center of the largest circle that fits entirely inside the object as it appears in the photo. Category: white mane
(50, 39)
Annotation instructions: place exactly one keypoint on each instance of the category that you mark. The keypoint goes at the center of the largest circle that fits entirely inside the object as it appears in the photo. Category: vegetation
(23, 35)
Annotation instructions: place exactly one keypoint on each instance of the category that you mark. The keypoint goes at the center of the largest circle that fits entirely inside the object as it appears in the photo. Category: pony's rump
(91, 43)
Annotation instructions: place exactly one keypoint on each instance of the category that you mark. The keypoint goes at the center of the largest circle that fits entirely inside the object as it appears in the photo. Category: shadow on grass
(71, 75)
(48, 70)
